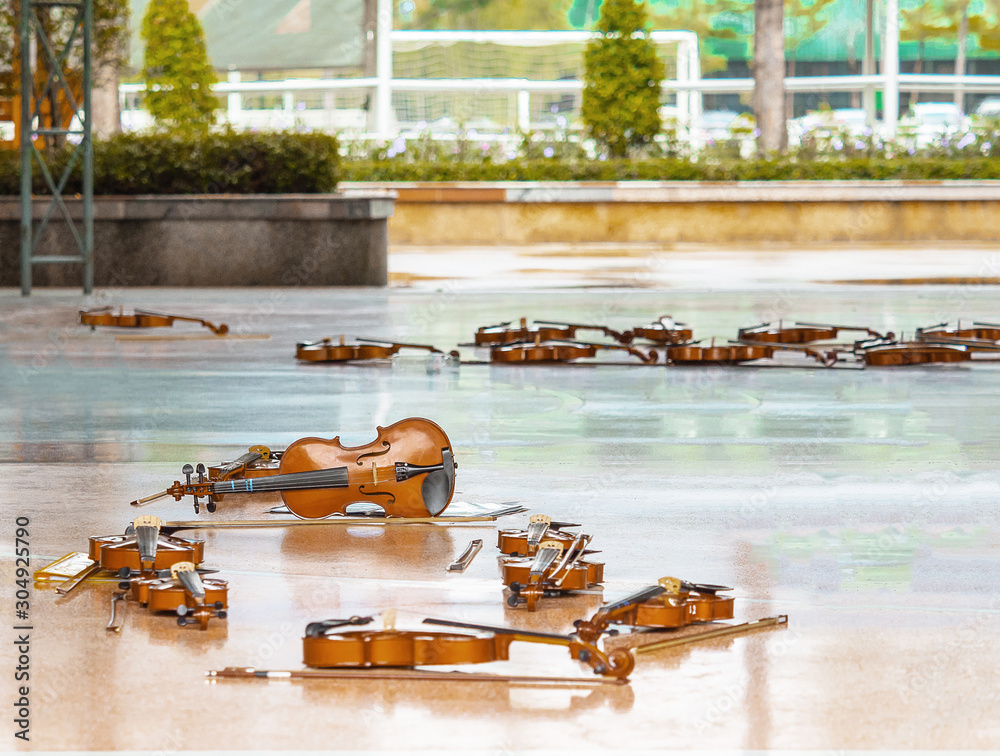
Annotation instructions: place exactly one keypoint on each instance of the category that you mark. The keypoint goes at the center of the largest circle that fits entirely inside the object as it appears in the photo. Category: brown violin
(525, 542)
(408, 470)
(195, 600)
(552, 571)
(144, 549)
(105, 316)
(367, 349)
(800, 333)
(664, 331)
(536, 351)
(542, 330)
(325, 646)
(979, 337)
(258, 462)
(735, 354)
(897, 354)
(672, 603)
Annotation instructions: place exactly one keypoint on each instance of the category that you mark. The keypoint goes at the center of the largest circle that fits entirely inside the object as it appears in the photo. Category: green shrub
(226, 163)
(678, 169)
(622, 75)
(177, 73)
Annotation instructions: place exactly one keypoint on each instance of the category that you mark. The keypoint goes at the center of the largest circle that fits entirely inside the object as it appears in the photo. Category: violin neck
(636, 598)
(495, 629)
(333, 477)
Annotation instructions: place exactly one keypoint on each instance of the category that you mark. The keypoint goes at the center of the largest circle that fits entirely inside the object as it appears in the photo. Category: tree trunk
(918, 67)
(963, 34)
(106, 111)
(769, 75)
(790, 96)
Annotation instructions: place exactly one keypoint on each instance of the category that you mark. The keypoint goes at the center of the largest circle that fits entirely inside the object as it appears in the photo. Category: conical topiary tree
(178, 75)
(621, 92)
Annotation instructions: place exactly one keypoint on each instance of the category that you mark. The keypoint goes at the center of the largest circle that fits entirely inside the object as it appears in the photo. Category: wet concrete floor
(862, 504)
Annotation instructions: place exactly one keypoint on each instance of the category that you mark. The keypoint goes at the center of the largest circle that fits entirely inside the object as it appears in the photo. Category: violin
(671, 603)
(981, 336)
(258, 462)
(552, 571)
(897, 354)
(408, 470)
(734, 354)
(192, 598)
(367, 349)
(664, 331)
(560, 352)
(525, 542)
(800, 333)
(144, 549)
(105, 316)
(325, 646)
(543, 330)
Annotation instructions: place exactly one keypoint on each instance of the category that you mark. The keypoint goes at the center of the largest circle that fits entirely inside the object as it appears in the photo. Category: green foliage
(178, 75)
(188, 163)
(111, 26)
(851, 167)
(621, 92)
(487, 14)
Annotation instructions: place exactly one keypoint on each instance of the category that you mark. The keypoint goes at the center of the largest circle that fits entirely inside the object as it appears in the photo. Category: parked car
(929, 122)
(714, 125)
(827, 124)
(989, 108)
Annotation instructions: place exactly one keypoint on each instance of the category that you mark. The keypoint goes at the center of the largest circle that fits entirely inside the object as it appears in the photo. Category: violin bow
(744, 627)
(250, 673)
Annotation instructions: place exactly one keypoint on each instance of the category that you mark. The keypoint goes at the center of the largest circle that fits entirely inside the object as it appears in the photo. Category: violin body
(676, 611)
(664, 331)
(672, 603)
(516, 543)
(371, 471)
(121, 552)
(401, 648)
(576, 577)
(981, 336)
(504, 333)
(916, 353)
(799, 333)
(327, 350)
(166, 594)
(559, 352)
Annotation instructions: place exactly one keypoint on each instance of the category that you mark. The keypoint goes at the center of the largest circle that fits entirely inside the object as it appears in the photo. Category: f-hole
(374, 453)
(391, 500)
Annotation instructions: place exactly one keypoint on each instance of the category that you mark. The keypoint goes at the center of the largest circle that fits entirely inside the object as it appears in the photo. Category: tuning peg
(221, 614)
(181, 622)
(187, 471)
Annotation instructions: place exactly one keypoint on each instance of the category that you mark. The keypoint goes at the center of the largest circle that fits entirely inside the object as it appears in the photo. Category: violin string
(336, 477)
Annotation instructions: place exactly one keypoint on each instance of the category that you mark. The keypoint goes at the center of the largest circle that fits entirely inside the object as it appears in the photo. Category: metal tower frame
(34, 129)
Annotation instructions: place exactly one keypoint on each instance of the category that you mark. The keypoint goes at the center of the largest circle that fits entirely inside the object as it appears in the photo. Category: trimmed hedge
(223, 163)
(286, 162)
(678, 169)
